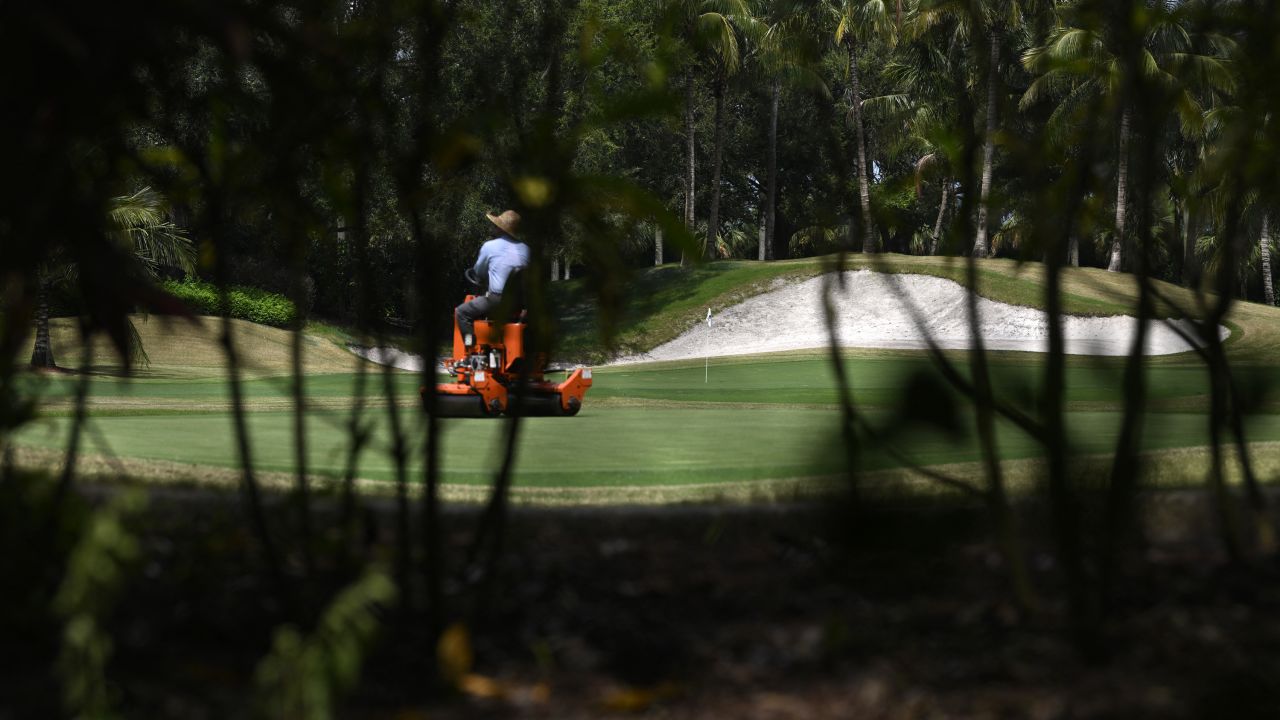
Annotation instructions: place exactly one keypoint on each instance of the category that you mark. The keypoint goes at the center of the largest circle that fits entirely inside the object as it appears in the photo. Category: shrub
(247, 303)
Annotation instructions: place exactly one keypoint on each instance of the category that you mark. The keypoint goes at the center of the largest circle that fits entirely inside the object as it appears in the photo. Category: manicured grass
(748, 422)
(332, 385)
(754, 419)
(875, 381)
(605, 446)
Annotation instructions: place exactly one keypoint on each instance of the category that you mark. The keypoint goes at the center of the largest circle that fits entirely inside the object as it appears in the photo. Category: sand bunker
(873, 311)
(389, 356)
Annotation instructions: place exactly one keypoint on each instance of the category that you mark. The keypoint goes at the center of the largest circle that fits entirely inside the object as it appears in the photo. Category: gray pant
(478, 308)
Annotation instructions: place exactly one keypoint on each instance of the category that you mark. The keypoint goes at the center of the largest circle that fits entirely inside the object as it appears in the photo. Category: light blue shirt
(499, 258)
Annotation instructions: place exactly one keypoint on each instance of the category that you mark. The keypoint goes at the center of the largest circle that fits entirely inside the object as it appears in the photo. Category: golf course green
(765, 418)
(740, 422)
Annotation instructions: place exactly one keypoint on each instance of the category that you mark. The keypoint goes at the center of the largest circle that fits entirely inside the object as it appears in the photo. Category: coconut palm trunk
(1122, 192)
(980, 247)
(42, 353)
(942, 211)
(771, 194)
(1264, 249)
(1189, 274)
(689, 179)
(657, 246)
(864, 185)
(713, 223)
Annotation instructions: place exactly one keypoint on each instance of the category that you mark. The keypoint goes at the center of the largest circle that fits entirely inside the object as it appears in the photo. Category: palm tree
(785, 54)
(42, 353)
(707, 26)
(988, 25)
(137, 223)
(1219, 125)
(935, 159)
(1264, 252)
(1088, 57)
(966, 21)
(720, 32)
(857, 22)
(1210, 247)
(924, 108)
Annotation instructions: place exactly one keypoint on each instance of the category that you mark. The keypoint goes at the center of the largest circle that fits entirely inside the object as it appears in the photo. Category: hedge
(247, 303)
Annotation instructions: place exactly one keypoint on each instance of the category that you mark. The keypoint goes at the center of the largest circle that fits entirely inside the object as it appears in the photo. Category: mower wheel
(574, 406)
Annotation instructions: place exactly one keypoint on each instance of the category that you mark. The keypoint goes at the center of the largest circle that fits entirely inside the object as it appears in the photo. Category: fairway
(745, 420)
(739, 426)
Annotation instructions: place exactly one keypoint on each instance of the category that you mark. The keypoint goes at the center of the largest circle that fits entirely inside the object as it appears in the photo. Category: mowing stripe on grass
(617, 447)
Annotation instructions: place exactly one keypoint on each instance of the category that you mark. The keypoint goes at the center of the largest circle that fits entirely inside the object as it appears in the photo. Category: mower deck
(480, 394)
(493, 377)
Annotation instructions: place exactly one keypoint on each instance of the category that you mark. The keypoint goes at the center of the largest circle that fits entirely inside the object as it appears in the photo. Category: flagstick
(706, 350)
(706, 364)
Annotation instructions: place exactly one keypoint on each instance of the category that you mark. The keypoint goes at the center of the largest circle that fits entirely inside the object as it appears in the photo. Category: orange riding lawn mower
(494, 370)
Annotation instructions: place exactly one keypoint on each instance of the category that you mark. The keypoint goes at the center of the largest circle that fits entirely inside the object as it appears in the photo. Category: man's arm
(482, 262)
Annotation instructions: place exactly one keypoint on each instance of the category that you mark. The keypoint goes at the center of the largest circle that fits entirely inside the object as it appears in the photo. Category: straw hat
(508, 222)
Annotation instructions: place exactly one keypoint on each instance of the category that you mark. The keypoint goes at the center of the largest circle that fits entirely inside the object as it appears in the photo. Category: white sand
(389, 356)
(873, 311)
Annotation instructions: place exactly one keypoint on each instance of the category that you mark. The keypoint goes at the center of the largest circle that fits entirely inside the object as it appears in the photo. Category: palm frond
(718, 33)
(924, 163)
(1068, 116)
(815, 240)
(898, 102)
(1204, 70)
(139, 223)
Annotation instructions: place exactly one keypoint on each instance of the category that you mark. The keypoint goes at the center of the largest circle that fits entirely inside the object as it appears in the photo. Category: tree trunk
(567, 265)
(1122, 191)
(555, 269)
(942, 210)
(864, 188)
(1189, 247)
(657, 247)
(713, 224)
(980, 248)
(42, 353)
(1073, 251)
(771, 196)
(1264, 249)
(763, 236)
(690, 187)
(1176, 231)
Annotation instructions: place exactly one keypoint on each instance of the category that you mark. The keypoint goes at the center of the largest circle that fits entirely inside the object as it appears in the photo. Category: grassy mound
(192, 349)
(666, 301)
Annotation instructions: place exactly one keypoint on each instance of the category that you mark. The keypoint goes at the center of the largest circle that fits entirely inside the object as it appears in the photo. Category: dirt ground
(700, 612)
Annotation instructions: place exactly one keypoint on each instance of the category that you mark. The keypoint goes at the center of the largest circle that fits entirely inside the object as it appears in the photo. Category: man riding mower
(492, 373)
